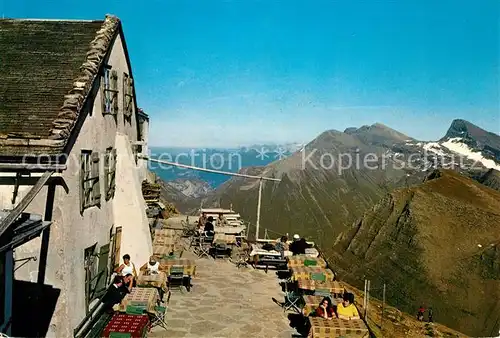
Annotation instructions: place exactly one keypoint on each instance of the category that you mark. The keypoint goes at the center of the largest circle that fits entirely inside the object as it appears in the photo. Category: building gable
(64, 59)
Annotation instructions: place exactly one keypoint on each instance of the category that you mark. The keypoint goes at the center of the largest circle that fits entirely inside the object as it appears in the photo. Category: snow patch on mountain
(457, 145)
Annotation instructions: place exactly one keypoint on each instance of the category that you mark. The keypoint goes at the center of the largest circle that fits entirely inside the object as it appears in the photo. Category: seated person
(127, 268)
(209, 227)
(325, 309)
(126, 288)
(221, 221)
(171, 255)
(346, 309)
(153, 266)
(299, 246)
(281, 246)
(202, 220)
(114, 294)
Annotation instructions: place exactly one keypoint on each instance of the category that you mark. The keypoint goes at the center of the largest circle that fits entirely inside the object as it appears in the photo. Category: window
(96, 272)
(128, 96)
(136, 149)
(90, 271)
(90, 191)
(109, 87)
(110, 173)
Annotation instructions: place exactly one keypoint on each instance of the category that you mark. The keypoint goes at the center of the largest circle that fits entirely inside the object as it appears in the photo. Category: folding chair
(195, 241)
(292, 299)
(176, 276)
(159, 317)
(205, 245)
(220, 250)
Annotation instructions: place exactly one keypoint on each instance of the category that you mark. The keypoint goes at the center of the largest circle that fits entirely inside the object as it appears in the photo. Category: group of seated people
(206, 223)
(126, 278)
(297, 247)
(345, 310)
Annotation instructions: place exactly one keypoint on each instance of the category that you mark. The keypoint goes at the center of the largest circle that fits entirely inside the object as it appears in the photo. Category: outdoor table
(157, 280)
(333, 287)
(259, 252)
(189, 266)
(335, 327)
(303, 272)
(311, 302)
(125, 325)
(229, 230)
(163, 250)
(165, 240)
(145, 298)
(172, 233)
(296, 261)
(227, 239)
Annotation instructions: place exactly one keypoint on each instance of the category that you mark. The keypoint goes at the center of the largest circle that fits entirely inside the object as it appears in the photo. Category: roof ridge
(74, 100)
(49, 20)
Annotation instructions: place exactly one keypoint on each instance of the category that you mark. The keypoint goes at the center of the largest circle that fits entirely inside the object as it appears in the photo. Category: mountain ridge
(399, 241)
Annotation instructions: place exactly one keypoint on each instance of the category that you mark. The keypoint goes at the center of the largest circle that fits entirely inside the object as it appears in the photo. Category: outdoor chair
(205, 246)
(292, 299)
(159, 317)
(188, 230)
(195, 241)
(176, 277)
(220, 250)
(241, 257)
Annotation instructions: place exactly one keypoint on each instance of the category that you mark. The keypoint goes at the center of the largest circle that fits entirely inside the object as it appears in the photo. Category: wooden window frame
(97, 272)
(109, 85)
(110, 159)
(89, 262)
(128, 97)
(90, 193)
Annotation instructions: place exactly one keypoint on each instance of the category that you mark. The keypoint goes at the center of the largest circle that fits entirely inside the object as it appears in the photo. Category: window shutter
(82, 183)
(130, 98)
(106, 172)
(96, 188)
(118, 242)
(106, 95)
(103, 271)
(125, 93)
(112, 174)
(114, 93)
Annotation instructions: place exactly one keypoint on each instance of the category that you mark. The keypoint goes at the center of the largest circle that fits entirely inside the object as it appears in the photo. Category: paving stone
(227, 302)
(205, 328)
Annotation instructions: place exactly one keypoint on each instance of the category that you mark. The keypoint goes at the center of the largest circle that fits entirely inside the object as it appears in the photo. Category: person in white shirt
(153, 265)
(127, 268)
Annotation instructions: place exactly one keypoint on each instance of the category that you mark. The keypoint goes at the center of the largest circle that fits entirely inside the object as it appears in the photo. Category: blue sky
(225, 73)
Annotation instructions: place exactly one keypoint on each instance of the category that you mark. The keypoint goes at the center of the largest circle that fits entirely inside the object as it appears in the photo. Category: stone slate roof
(47, 69)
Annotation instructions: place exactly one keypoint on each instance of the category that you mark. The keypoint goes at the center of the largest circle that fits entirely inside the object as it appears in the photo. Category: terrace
(226, 300)
(225, 297)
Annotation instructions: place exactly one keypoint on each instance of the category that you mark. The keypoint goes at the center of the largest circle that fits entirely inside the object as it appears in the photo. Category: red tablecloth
(135, 325)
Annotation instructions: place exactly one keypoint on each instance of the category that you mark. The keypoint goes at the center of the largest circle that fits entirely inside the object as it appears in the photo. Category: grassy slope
(423, 243)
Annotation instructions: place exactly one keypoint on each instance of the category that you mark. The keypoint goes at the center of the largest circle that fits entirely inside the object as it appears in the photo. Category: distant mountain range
(227, 159)
(422, 217)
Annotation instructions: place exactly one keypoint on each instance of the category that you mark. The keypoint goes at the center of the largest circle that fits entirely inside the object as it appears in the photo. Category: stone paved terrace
(226, 302)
